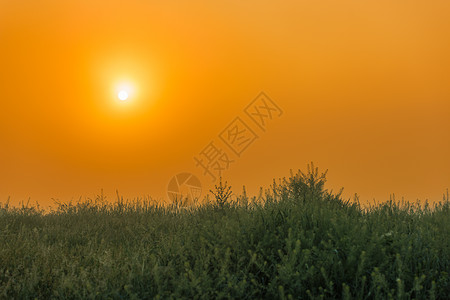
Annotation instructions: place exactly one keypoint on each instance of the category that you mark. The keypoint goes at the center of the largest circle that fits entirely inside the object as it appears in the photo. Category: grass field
(298, 241)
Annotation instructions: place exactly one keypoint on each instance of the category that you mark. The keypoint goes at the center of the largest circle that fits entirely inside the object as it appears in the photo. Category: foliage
(222, 194)
(300, 241)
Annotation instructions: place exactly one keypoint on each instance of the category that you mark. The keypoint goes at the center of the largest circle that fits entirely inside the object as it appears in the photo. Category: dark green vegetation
(300, 241)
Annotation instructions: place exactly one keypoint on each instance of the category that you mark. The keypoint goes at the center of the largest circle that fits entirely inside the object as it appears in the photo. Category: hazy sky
(363, 86)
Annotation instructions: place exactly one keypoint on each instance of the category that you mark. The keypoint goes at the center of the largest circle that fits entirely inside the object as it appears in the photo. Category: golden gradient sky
(364, 87)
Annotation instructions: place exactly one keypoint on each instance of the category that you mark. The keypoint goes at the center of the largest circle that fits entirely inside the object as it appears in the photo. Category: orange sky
(364, 87)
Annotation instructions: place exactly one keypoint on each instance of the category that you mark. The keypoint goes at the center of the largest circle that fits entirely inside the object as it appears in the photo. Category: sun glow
(123, 95)
(125, 92)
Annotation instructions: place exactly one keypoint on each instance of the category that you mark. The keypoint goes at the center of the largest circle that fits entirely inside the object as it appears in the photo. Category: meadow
(296, 241)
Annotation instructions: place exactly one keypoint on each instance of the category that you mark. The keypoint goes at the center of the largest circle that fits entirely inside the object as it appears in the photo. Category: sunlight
(125, 92)
(123, 95)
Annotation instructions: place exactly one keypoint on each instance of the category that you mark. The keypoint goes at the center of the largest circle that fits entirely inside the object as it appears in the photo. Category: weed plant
(298, 241)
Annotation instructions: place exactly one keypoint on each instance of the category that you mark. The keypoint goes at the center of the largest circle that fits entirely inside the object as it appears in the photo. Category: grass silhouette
(298, 240)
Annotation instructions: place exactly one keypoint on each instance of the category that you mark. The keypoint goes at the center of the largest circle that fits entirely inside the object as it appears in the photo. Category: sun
(123, 95)
(125, 91)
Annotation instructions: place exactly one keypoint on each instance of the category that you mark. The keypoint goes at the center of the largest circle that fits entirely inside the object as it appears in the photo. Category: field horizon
(298, 241)
(205, 199)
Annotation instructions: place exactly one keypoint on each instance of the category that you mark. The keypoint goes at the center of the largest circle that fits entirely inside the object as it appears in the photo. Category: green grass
(299, 241)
